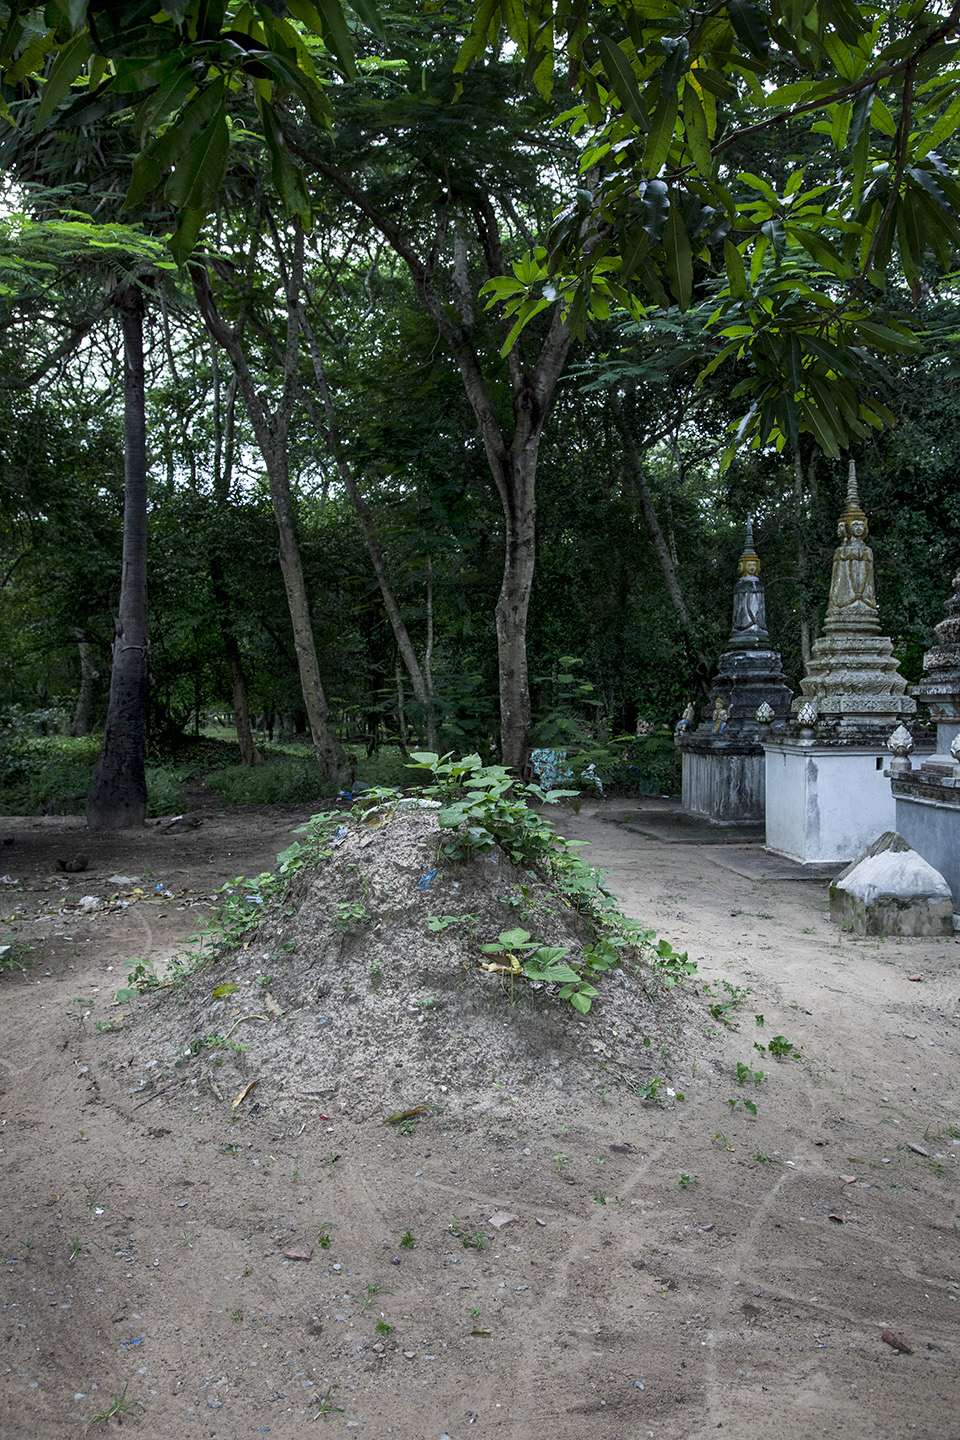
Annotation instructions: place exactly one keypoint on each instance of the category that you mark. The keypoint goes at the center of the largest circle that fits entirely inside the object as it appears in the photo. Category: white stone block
(825, 803)
(891, 890)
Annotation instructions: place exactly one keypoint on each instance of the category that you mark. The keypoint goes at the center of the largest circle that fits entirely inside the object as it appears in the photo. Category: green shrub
(278, 781)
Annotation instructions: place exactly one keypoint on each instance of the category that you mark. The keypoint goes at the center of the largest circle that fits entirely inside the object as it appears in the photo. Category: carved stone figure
(852, 592)
(749, 605)
(686, 719)
(852, 675)
(720, 717)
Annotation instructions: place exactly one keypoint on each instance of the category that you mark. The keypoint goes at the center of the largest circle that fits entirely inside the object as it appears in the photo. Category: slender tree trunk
(118, 790)
(401, 711)
(271, 430)
(80, 724)
(367, 524)
(671, 577)
(331, 757)
(249, 754)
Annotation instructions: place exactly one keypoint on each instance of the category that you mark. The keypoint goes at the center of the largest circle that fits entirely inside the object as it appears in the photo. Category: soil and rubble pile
(344, 1000)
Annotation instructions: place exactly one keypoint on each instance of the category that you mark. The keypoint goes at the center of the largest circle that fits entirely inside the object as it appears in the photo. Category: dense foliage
(669, 264)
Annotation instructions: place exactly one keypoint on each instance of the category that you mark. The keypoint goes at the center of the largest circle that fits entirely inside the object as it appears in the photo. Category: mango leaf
(660, 137)
(622, 81)
(818, 427)
(337, 36)
(679, 258)
(176, 140)
(68, 66)
(183, 241)
(677, 51)
(749, 27)
(695, 126)
(736, 274)
(655, 205)
(172, 92)
(202, 169)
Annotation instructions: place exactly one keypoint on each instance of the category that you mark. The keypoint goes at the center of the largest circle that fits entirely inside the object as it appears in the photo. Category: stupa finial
(749, 563)
(854, 510)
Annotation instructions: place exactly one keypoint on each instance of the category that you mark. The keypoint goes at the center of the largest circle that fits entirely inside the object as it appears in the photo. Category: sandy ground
(674, 1268)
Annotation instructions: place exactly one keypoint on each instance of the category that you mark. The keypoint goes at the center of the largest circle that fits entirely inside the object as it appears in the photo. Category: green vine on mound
(480, 807)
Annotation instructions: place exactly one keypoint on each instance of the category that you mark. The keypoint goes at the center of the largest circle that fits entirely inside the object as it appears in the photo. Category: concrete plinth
(724, 783)
(825, 803)
(891, 890)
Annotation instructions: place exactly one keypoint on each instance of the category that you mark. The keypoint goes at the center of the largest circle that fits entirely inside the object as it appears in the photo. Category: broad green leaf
(860, 116)
(695, 125)
(622, 81)
(287, 179)
(656, 207)
(184, 239)
(170, 94)
(679, 257)
(637, 245)
(941, 130)
(147, 175)
(881, 337)
(677, 51)
(337, 35)
(31, 59)
(202, 168)
(197, 115)
(736, 274)
(881, 118)
(660, 137)
(756, 182)
(819, 429)
(749, 27)
(821, 392)
(68, 66)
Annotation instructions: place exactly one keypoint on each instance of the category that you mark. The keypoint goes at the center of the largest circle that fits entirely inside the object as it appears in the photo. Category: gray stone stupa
(827, 794)
(722, 758)
(852, 678)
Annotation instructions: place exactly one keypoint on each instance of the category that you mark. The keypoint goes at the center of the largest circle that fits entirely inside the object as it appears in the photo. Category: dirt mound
(348, 998)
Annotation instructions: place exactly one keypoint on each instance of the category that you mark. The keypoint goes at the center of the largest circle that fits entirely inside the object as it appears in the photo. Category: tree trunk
(271, 430)
(118, 790)
(331, 757)
(249, 754)
(518, 496)
(658, 540)
(80, 724)
(374, 549)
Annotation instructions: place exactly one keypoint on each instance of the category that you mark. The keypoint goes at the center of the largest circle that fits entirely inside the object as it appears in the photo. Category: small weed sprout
(686, 1183)
(476, 1241)
(383, 1328)
(326, 1405)
(323, 1237)
(407, 1240)
(117, 1409)
(94, 1192)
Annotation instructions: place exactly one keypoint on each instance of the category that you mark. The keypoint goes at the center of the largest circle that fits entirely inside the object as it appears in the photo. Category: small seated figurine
(720, 717)
(685, 721)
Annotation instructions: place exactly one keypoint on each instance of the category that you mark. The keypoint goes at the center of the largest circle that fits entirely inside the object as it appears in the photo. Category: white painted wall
(826, 803)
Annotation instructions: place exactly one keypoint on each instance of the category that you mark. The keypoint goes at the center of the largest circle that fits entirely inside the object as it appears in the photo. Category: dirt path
(675, 1269)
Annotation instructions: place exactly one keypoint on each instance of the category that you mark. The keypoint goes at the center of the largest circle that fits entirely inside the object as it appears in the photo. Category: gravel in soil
(675, 1268)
